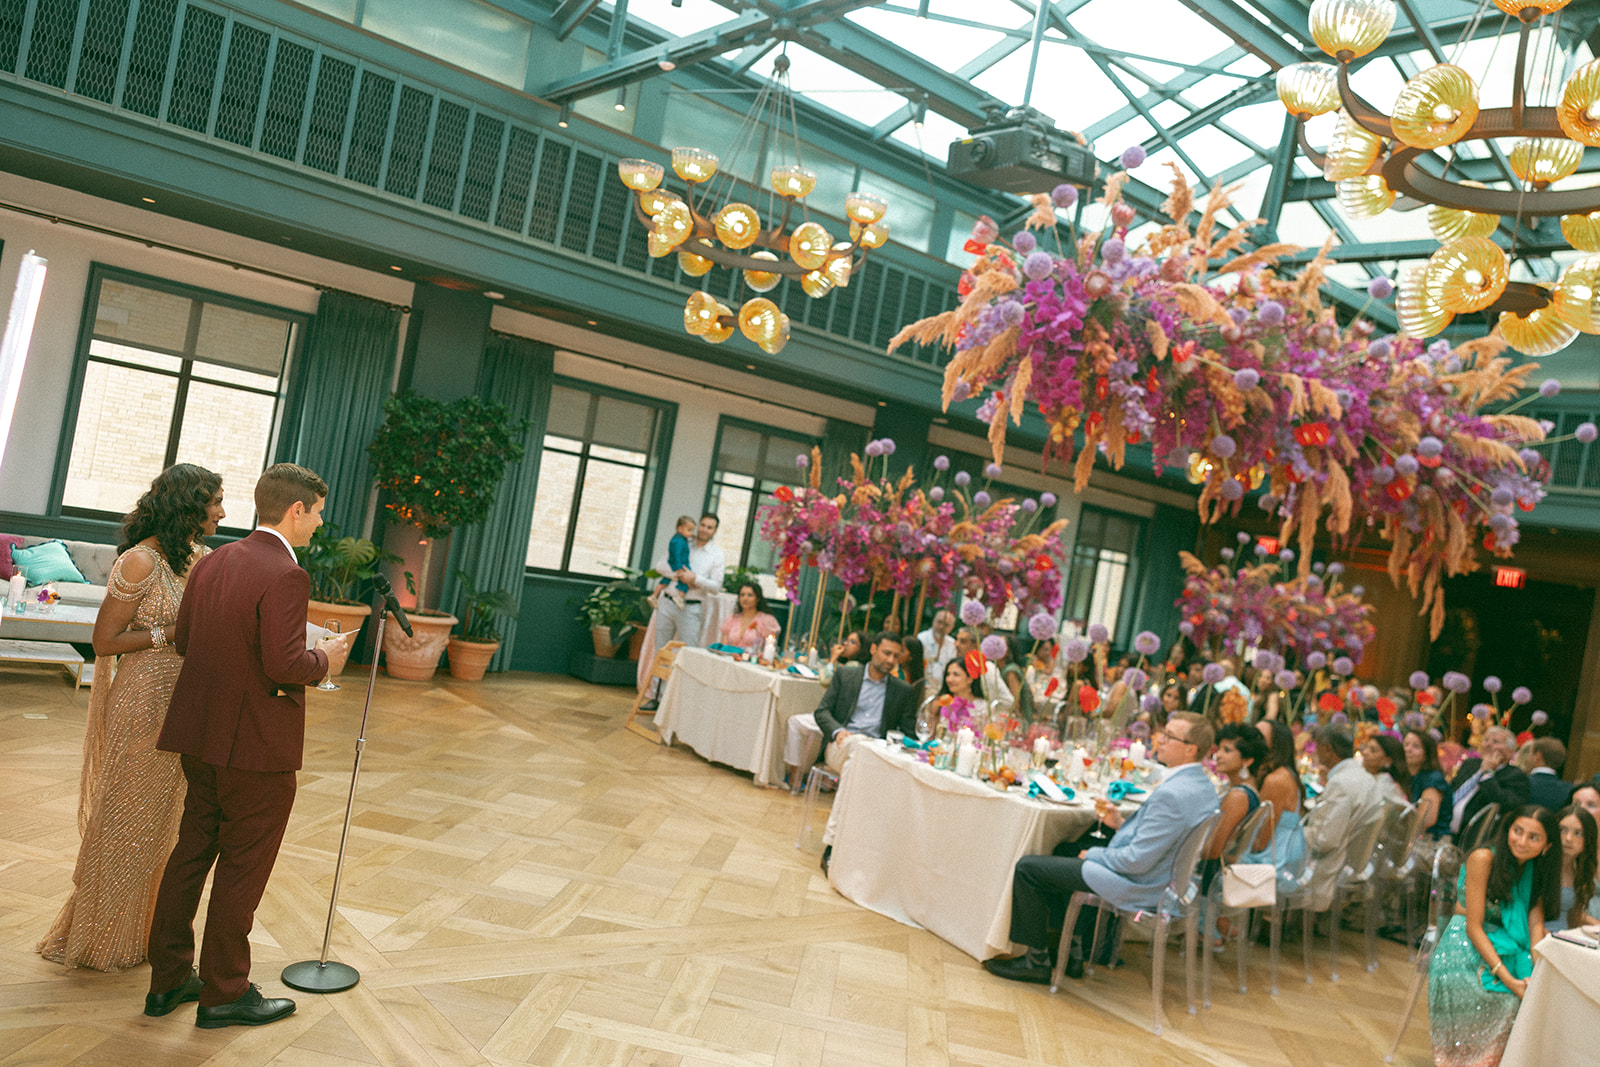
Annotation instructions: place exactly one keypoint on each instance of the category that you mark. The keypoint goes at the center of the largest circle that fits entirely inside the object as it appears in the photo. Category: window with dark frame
(1104, 571)
(595, 472)
(751, 462)
(174, 374)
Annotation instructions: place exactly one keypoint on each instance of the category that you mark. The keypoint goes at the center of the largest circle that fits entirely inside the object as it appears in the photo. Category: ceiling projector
(1020, 151)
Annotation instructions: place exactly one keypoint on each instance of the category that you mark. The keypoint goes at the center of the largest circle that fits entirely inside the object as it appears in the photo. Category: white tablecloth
(733, 713)
(716, 611)
(1559, 1021)
(930, 849)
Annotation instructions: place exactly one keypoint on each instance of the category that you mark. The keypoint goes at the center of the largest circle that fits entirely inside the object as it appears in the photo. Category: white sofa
(94, 562)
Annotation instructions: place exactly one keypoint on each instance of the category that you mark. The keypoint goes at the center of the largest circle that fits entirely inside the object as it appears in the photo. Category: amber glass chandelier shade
(694, 165)
(1582, 231)
(875, 235)
(700, 313)
(762, 322)
(1308, 89)
(1577, 295)
(659, 245)
(763, 281)
(737, 225)
(1351, 151)
(1365, 197)
(1436, 107)
(652, 202)
(1542, 160)
(1349, 29)
(1420, 316)
(1579, 109)
(838, 268)
(640, 175)
(675, 222)
(1515, 8)
(793, 180)
(1467, 274)
(693, 265)
(723, 328)
(864, 207)
(1448, 223)
(809, 245)
(816, 283)
(1541, 332)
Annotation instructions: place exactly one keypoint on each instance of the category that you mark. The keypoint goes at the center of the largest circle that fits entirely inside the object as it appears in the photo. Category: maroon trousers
(235, 819)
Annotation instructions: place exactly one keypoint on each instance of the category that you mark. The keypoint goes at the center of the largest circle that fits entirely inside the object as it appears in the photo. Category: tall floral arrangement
(1246, 379)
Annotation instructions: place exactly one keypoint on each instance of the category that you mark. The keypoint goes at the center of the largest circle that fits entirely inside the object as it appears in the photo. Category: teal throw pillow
(48, 562)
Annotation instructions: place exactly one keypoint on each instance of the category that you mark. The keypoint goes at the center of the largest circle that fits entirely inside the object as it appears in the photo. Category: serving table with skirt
(928, 848)
(731, 712)
(1563, 992)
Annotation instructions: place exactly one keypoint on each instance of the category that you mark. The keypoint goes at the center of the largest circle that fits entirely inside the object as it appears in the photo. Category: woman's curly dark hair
(172, 511)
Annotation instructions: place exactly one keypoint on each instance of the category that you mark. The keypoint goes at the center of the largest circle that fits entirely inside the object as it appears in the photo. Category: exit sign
(1271, 544)
(1510, 577)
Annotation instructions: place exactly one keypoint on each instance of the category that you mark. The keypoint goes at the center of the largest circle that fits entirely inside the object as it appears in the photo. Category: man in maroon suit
(237, 719)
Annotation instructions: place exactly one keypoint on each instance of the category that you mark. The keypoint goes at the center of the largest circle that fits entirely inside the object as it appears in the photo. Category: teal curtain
(518, 373)
(346, 370)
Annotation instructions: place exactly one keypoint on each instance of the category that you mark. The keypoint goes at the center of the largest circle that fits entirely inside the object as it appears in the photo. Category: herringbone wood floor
(528, 883)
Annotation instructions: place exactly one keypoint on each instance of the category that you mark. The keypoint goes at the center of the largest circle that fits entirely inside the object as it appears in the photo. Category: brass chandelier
(705, 235)
(1374, 157)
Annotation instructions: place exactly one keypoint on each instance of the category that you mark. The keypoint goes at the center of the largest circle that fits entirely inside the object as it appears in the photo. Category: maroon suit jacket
(240, 698)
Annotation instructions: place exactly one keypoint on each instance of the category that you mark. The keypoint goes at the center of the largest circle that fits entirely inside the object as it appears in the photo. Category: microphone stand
(320, 975)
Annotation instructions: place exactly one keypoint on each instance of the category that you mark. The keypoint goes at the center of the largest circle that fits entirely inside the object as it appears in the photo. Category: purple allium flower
(1285, 679)
(1436, 734)
(1146, 643)
(1113, 250)
(1491, 684)
(1047, 500)
(1024, 242)
(1429, 447)
(1521, 695)
(1539, 718)
(1242, 537)
(1440, 349)
(1380, 288)
(1343, 666)
(936, 494)
(1383, 474)
(941, 463)
(1135, 679)
(981, 499)
(802, 461)
(973, 612)
(1262, 660)
(874, 449)
(1099, 634)
(1270, 312)
(1316, 660)
(1132, 156)
(1501, 497)
(1267, 502)
(1380, 348)
(1406, 464)
(993, 647)
(1030, 505)
(1418, 679)
(1586, 432)
(1456, 682)
(1042, 626)
(961, 390)
(1231, 490)
(1481, 711)
(1147, 704)
(1261, 550)
(1226, 553)
(887, 444)
(1414, 720)
(1336, 567)
(963, 478)
(1246, 378)
(1039, 266)
(1358, 591)
(991, 470)
(1529, 456)
(1012, 313)
(1338, 718)
(1213, 673)
(1223, 446)
(1287, 555)
(1549, 388)
(1064, 195)
(1186, 628)
(1075, 650)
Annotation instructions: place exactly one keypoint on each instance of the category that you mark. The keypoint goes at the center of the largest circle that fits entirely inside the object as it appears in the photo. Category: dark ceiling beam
(1248, 33)
(1538, 244)
(569, 15)
(744, 30)
(1170, 91)
(989, 57)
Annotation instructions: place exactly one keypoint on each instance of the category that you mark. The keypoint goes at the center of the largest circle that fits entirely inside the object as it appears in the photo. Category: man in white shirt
(938, 646)
(703, 576)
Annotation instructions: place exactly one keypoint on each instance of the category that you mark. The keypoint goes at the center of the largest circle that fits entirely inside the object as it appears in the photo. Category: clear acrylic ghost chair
(1393, 864)
(1238, 844)
(1356, 877)
(1441, 909)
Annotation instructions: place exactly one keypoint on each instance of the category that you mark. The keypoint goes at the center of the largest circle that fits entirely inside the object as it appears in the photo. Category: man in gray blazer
(1130, 872)
(866, 701)
(1351, 799)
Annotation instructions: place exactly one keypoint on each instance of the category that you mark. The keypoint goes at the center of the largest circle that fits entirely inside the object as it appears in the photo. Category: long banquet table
(1564, 991)
(733, 713)
(931, 849)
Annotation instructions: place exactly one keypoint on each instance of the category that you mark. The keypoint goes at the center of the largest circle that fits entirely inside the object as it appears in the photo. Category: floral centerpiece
(1247, 380)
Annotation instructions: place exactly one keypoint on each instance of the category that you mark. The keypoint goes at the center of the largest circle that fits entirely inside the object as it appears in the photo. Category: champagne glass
(926, 721)
(327, 684)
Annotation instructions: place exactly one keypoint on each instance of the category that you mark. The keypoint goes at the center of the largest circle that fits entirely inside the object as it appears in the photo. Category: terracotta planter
(415, 658)
(636, 642)
(469, 659)
(603, 648)
(349, 616)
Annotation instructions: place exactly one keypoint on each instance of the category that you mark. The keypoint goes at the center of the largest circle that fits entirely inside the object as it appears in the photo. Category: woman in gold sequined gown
(131, 794)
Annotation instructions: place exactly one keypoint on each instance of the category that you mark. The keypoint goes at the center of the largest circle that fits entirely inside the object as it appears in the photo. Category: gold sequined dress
(131, 794)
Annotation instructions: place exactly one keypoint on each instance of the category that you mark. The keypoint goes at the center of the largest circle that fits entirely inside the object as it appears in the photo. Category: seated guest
(1282, 842)
(1480, 969)
(1545, 787)
(967, 640)
(1428, 785)
(1240, 751)
(1385, 759)
(1350, 799)
(911, 668)
(853, 649)
(1578, 888)
(1132, 871)
(1587, 797)
(865, 702)
(750, 628)
(938, 646)
(1489, 779)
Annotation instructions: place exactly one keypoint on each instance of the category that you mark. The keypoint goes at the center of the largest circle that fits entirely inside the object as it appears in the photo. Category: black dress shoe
(252, 1009)
(650, 705)
(827, 857)
(1018, 969)
(1074, 967)
(159, 1004)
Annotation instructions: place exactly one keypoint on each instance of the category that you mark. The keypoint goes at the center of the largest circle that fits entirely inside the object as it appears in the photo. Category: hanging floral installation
(1245, 379)
(929, 543)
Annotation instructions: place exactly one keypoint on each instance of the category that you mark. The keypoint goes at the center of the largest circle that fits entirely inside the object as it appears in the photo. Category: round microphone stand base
(314, 976)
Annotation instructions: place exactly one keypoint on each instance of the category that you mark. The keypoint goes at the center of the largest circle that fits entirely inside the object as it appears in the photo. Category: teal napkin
(912, 742)
(1035, 791)
(1120, 790)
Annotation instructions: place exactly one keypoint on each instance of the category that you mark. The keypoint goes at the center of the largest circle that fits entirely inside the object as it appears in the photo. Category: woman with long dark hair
(1480, 970)
(1281, 842)
(1578, 862)
(1428, 785)
(131, 794)
(752, 624)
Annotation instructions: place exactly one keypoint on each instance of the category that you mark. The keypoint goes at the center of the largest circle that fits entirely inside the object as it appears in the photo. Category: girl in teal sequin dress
(1480, 970)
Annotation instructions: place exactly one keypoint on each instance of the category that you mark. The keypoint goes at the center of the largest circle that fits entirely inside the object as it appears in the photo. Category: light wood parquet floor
(529, 883)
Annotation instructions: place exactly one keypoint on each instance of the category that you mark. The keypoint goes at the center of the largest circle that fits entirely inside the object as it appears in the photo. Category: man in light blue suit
(1130, 872)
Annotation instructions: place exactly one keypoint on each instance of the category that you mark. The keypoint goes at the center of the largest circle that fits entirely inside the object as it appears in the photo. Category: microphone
(390, 604)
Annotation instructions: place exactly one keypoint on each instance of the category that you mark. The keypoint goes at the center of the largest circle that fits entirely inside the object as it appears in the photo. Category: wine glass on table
(927, 722)
(327, 684)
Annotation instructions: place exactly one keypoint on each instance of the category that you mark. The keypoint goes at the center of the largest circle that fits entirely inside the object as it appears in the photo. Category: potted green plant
(479, 639)
(439, 464)
(338, 566)
(614, 612)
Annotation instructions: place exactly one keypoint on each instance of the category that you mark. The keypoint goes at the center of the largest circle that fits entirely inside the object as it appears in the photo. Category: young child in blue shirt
(678, 559)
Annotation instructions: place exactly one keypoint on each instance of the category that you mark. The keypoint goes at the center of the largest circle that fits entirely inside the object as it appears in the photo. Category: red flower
(1094, 420)
(1044, 563)
(1425, 698)
(1102, 388)
(1386, 710)
(1525, 504)
(975, 246)
(1151, 382)
(1398, 490)
(1312, 434)
(975, 664)
(1088, 698)
(1181, 353)
(1461, 507)
(1330, 702)
(964, 286)
(1050, 689)
(783, 493)
(1430, 461)
(1134, 437)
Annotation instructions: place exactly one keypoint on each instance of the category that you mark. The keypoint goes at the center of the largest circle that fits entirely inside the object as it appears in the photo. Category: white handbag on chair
(1249, 885)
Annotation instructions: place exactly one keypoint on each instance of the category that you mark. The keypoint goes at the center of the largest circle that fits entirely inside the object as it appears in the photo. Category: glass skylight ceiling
(1137, 71)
